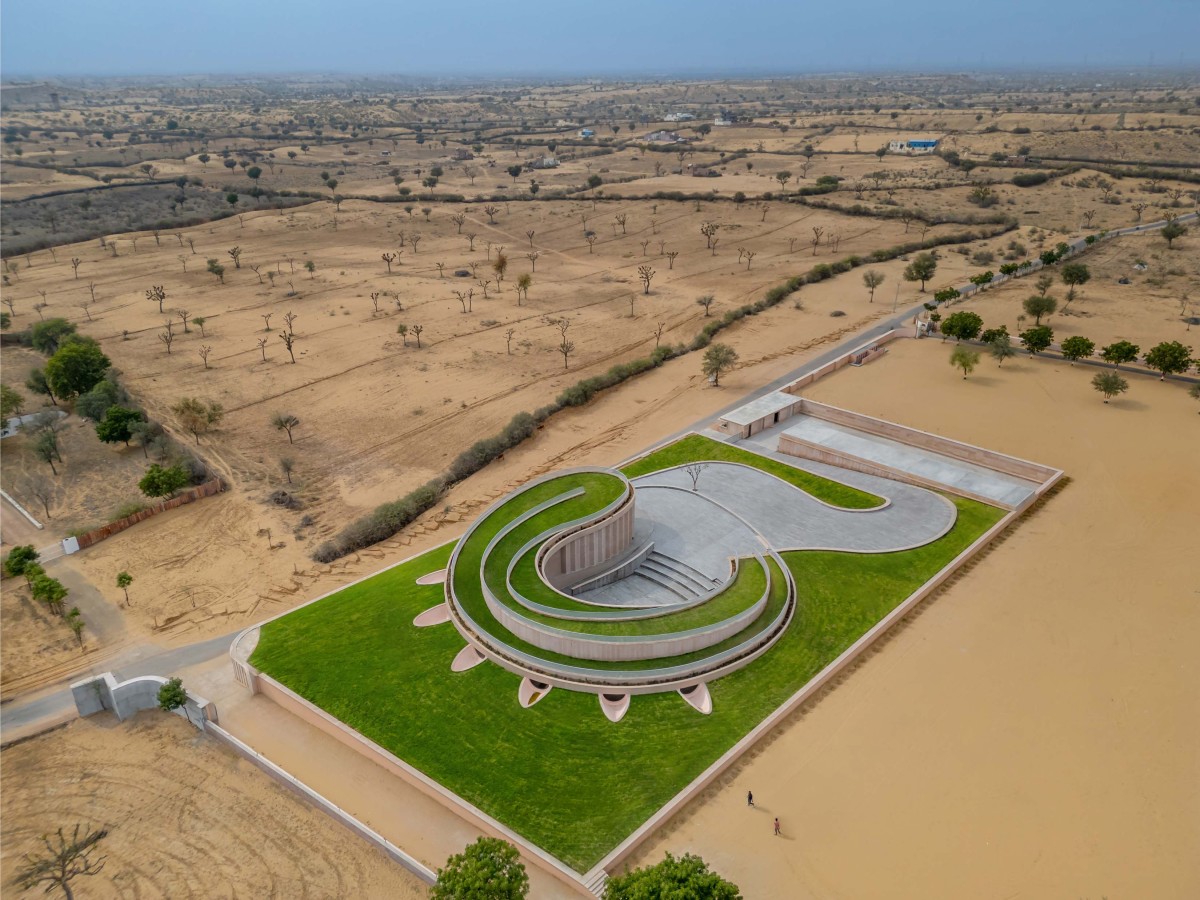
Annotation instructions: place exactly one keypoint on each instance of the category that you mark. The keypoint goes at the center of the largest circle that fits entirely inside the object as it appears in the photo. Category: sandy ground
(1033, 731)
(186, 818)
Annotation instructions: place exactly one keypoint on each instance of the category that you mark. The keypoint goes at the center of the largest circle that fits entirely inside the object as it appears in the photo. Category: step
(681, 575)
(674, 577)
(597, 883)
(679, 564)
(665, 582)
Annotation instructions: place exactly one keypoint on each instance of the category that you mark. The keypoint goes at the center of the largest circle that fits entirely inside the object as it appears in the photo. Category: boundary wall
(127, 698)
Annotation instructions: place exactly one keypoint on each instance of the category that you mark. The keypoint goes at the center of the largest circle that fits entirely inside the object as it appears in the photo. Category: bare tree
(38, 307)
(709, 229)
(235, 253)
(256, 270)
(416, 330)
(39, 486)
(389, 258)
(670, 255)
(459, 219)
(645, 275)
(713, 245)
(465, 298)
(92, 290)
(764, 215)
(566, 346)
(532, 256)
(441, 267)
(750, 254)
(266, 317)
(286, 466)
(1139, 208)
(84, 305)
(414, 239)
(204, 351)
(620, 219)
(508, 336)
(658, 333)
(183, 317)
(289, 341)
(483, 283)
(167, 338)
(816, 238)
(694, 471)
(632, 302)
(63, 860)
(157, 294)
(529, 234)
(289, 319)
(490, 211)
(75, 261)
(591, 242)
(471, 241)
(262, 346)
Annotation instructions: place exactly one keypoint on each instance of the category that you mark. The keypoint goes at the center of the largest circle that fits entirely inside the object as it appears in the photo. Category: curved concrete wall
(624, 648)
(576, 556)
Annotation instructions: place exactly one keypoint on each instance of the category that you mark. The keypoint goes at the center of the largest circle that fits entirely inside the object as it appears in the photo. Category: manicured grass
(560, 773)
(698, 448)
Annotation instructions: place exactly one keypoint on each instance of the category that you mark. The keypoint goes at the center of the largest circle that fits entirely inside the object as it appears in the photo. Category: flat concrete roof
(764, 406)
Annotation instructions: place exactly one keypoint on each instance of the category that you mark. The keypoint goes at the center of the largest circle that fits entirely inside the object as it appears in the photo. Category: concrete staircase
(676, 576)
(596, 883)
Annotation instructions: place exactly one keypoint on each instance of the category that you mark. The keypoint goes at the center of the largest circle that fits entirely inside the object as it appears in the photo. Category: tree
(694, 471)
(1039, 305)
(124, 580)
(18, 559)
(76, 367)
(416, 330)
(285, 422)
(254, 173)
(1171, 231)
(921, 269)
(172, 695)
(287, 465)
(706, 301)
(489, 869)
(1110, 384)
(235, 253)
(45, 589)
(117, 424)
(1001, 348)
(962, 326)
(593, 182)
(1074, 275)
(289, 341)
(311, 268)
(198, 416)
(48, 335)
(687, 876)
(160, 482)
(10, 403)
(215, 268)
(964, 358)
(872, 279)
(1076, 347)
(1037, 339)
(645, 274)
(1120, 352)
(500, 266)
(63, 860)
(783, 178)
(37, 383)
(1169, 358)
(717, 359)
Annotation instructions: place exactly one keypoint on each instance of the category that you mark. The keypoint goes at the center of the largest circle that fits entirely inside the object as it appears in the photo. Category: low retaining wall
(285, 778)
(988, 459)
(127, 698)
(802, 449)
(106, 531)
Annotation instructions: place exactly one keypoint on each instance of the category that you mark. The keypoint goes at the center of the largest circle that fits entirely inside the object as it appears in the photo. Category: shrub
(1030, 179)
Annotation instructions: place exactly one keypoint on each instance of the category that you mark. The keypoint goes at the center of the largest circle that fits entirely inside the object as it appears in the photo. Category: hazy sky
(71, 37)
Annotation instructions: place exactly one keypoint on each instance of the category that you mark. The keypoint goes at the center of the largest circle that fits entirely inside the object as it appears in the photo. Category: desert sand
(229, 832)
(1032, 731)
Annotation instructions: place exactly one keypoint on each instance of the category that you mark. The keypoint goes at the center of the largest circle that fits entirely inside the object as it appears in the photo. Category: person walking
(749, 798)
(777, 831)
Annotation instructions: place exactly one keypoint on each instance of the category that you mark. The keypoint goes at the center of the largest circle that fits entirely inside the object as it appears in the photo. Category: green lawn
(560, 773)
(698, 448)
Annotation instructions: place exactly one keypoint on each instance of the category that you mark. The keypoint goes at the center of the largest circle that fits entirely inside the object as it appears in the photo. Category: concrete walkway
(791, 519)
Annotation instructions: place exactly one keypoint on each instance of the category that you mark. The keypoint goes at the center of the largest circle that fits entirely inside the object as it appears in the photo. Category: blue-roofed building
(912, 146)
